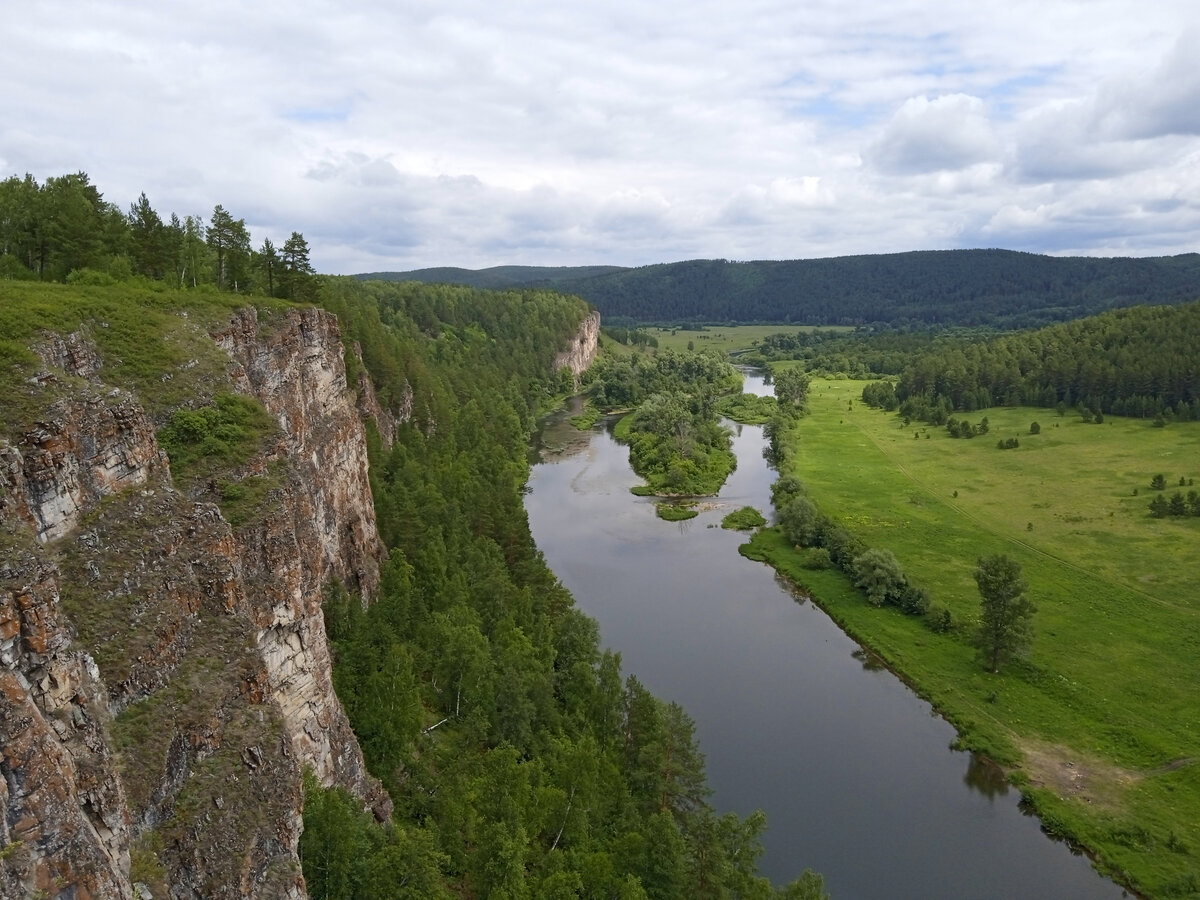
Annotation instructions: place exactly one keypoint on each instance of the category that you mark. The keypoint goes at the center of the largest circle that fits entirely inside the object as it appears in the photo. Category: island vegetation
(677, 443)
(747, 518)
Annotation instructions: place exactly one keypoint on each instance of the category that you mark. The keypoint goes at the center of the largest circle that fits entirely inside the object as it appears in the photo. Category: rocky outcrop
(83, 449)
(297, 370)
(322, 527)
(579, 355)
(63, 816)
(165, 676)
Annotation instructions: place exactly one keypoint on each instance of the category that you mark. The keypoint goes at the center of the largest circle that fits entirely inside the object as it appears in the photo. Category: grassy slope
(1105, 715)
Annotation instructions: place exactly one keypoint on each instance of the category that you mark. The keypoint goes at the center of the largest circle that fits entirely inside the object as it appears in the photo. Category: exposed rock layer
(165, 677)
(582, 351)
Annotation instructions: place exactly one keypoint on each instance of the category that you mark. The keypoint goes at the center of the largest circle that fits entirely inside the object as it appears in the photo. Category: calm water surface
(853, 770)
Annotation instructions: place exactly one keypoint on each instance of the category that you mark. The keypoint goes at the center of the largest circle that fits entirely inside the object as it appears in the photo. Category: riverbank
(792, 716)
(1096, 727)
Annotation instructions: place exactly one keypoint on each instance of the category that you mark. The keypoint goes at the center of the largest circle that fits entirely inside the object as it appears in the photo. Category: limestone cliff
(164, 673)
(582, 350)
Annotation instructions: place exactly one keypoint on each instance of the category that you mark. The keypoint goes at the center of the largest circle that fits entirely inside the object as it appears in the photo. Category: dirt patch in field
(1075, 776)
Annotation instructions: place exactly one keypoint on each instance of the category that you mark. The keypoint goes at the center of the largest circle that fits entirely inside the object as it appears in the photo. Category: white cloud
(944, 134)
(419, 133)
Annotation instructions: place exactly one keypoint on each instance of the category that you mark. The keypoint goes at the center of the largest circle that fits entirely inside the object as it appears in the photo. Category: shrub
(938, 619)
(817, 559)
(914, 600)
(879, 574)
(801, 522)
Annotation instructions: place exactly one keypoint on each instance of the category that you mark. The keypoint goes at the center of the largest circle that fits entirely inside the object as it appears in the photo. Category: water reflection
(985, 777)
(870, 662)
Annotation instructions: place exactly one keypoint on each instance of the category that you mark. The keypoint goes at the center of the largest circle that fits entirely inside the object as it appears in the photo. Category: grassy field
(1102, 723)
(726, 338)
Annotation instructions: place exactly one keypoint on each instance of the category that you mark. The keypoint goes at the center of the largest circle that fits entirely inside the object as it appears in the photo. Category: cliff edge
(164, 673)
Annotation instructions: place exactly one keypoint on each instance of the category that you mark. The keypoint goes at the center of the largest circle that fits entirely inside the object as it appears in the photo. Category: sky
(410, 133)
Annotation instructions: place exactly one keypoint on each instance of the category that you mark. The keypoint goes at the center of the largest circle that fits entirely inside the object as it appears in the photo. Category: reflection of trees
(986, 777)
(870, 662)
(796, 592)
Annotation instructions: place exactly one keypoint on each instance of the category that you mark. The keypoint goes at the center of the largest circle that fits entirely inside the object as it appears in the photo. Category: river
(853, 770)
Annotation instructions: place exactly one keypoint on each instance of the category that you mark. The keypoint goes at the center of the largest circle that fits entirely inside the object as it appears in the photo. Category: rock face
(65, 820)
(165, 676)
(324, 530)
(579, 355)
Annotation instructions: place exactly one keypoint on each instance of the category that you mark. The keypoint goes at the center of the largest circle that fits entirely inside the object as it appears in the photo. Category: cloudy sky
(413, 133)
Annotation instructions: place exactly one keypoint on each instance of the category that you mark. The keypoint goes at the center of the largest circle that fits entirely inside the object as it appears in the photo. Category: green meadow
(1100, 725)
(726, 338)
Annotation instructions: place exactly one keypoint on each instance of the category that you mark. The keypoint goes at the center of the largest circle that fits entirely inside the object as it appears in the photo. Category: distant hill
(996, 288)
(497, 277)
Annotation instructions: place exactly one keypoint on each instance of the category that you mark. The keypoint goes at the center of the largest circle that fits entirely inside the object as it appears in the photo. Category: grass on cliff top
(153, 342)
(1108, 693)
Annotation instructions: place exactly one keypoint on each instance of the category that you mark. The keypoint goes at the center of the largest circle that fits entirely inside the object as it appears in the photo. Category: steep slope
(164, 673)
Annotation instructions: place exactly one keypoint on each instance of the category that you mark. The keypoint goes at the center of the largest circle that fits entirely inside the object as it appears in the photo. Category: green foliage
(743, 519)
(519, 762)
(228, 433)
(676, 442)
(879, 574)
(881, 395)
(1005, 624)
(938, 618)
(749, 409)
(65, 231)
(791, 386)
(1124, 362)
(997, 288)
(347, 856)
(801, 522)
(675, 512)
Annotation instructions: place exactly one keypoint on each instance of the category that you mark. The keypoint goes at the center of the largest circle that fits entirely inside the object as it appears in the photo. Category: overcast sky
(405, 134)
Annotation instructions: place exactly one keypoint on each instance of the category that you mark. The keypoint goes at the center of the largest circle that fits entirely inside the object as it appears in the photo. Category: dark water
(853, 770)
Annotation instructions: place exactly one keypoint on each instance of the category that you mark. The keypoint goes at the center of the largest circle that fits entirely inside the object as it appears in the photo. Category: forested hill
(499, 277)
(997, 288)
(1130, 362)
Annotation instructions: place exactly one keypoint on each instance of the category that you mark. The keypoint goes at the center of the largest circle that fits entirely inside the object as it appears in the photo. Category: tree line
(64, 229)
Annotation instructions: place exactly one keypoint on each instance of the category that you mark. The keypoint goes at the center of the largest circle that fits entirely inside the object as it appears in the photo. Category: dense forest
(994, 288)
(1137, 362)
